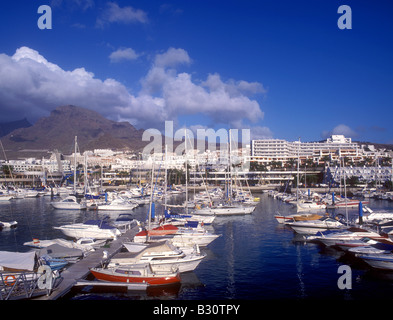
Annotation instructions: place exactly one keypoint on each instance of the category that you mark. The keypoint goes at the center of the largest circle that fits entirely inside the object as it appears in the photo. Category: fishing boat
(315, 226)
(137, 273)
(69, 203)
(97, 229)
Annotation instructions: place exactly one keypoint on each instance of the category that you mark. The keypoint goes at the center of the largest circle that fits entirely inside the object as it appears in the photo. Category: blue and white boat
(54, 263)
(379, 260)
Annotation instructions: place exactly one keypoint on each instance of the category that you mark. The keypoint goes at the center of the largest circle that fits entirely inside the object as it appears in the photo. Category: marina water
(255, 258)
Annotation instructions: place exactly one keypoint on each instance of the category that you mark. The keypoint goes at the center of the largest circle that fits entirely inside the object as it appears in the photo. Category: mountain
(7, 127)
(58, 131)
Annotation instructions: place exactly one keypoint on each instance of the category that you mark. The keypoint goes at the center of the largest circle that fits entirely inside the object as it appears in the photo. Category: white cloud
(171, 58)
(260, 133)
(340, 129)
(74, 4)
(123, 54)
(114, 13)
(31, 86)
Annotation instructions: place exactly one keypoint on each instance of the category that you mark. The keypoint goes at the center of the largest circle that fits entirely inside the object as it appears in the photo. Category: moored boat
(315, 226)
(137, 273)
(97, 229)
(160, 255)
(352, 233)
(69, 203)
(117, 205)
(297, 217)
(382, 261)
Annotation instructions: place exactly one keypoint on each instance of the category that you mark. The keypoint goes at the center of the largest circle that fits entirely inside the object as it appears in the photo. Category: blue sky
(281, 68)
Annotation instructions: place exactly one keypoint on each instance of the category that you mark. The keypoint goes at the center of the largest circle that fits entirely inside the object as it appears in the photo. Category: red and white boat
(163, 230)
(137, 273)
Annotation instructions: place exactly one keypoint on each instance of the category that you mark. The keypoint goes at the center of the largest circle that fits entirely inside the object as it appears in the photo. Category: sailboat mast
(297, 176)
(151, 199)
(75, 165)
(165, 180)
(185, 154)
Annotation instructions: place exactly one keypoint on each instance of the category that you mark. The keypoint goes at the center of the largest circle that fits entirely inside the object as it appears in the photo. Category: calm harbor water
(255, 258)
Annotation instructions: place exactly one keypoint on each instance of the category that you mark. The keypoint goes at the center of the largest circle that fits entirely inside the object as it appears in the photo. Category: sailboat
(71, 202)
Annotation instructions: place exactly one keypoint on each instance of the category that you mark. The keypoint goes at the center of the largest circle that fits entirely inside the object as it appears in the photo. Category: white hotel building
(336, 146)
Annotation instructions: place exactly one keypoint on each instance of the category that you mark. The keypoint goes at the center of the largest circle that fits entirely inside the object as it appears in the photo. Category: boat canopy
(18, 260)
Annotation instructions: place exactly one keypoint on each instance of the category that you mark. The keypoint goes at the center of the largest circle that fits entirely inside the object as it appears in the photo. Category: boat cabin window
(131, 272)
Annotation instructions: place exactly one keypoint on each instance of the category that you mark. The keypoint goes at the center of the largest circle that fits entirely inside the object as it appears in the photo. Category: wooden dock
(81, 269)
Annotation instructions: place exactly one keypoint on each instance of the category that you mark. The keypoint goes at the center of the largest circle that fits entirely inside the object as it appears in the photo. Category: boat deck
(81, 269)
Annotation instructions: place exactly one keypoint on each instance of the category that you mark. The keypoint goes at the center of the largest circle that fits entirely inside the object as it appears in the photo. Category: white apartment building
(36, 165)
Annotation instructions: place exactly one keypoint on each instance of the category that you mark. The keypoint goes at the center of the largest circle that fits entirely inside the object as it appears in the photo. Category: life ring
(8, 282)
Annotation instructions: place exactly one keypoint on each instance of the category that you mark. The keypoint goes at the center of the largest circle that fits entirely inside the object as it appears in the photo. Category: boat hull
(88, 233)
(153, 280)
(379, 261)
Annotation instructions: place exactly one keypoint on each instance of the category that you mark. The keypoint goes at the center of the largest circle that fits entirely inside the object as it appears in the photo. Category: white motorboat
(96, 229)
(69, 203)
(370, 249)
(117, 205)
(186, 237)
(225, 210)
(379, 260)
(377, 217)
(11, 224)
(159, 255)
(191, 237)
(85, 244)
(5, 197)
(232, 209)
(352, 233)
(315, 226)
(125, 221)
(310, 206)
(296, 217)
(181, 219)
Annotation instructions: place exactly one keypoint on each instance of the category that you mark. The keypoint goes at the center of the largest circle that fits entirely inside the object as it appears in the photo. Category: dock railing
(26, 284)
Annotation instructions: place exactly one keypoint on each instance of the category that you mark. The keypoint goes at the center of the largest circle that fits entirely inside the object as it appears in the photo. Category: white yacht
(117, 205)
(69, 203)
(96, 229)
(315, 226)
